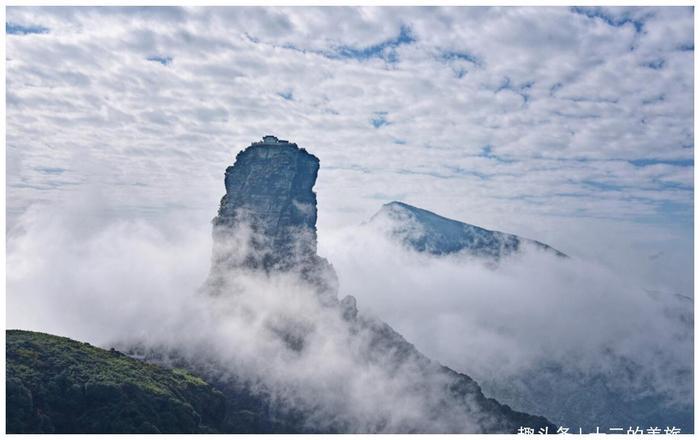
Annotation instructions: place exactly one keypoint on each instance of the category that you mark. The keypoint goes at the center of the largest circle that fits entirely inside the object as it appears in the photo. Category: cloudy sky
(573, 126)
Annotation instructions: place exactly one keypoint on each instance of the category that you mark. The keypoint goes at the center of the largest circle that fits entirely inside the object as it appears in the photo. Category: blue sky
(564, 124)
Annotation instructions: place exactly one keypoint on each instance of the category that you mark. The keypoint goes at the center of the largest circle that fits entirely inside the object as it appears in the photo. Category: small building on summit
(270, 139)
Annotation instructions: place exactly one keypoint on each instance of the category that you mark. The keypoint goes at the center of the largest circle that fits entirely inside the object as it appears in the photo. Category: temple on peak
(272, 140)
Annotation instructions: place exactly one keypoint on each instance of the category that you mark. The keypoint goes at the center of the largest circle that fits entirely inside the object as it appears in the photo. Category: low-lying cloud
(527, 316)
(134, 285)
(116, 282)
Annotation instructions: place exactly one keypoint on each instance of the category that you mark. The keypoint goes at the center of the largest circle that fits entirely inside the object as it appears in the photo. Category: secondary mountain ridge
(425, 231)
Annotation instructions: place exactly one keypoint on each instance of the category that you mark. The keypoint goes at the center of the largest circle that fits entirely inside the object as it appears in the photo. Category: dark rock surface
(269, 188)
(425, 231)
(270, 206)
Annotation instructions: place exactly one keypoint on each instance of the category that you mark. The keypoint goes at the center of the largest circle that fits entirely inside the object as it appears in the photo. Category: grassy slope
(55, 384)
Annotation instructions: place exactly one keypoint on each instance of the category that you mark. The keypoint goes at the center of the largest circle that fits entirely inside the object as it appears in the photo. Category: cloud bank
(535, 330)
(133, 286)
(564, 321)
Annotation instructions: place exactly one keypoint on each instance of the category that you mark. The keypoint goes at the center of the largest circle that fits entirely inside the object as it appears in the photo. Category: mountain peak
(426, 231)
(267, 218)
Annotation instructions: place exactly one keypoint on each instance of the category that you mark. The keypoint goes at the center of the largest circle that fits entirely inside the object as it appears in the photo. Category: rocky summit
(270, 207)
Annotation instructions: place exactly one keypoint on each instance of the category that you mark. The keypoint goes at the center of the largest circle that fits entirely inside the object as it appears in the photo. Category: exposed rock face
(425, 231)
(270, 206)
(270, 188)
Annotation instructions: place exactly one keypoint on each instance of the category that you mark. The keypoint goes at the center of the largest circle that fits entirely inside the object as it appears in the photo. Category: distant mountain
(559, 391)
(425, 231)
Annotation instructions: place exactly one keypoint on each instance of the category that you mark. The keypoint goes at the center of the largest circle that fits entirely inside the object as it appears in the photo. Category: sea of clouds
(132, 285)
(75, 273)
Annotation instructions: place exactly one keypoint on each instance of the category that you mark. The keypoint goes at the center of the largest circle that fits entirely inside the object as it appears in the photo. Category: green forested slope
(58, 385)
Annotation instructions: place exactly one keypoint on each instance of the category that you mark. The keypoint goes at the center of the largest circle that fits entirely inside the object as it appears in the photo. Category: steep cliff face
(269, 188)
(267, 218)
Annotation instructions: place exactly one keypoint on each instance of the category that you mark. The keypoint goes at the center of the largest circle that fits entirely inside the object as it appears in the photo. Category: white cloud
(131, 285)
(536, 331)
(570, 88)
(74, 271)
